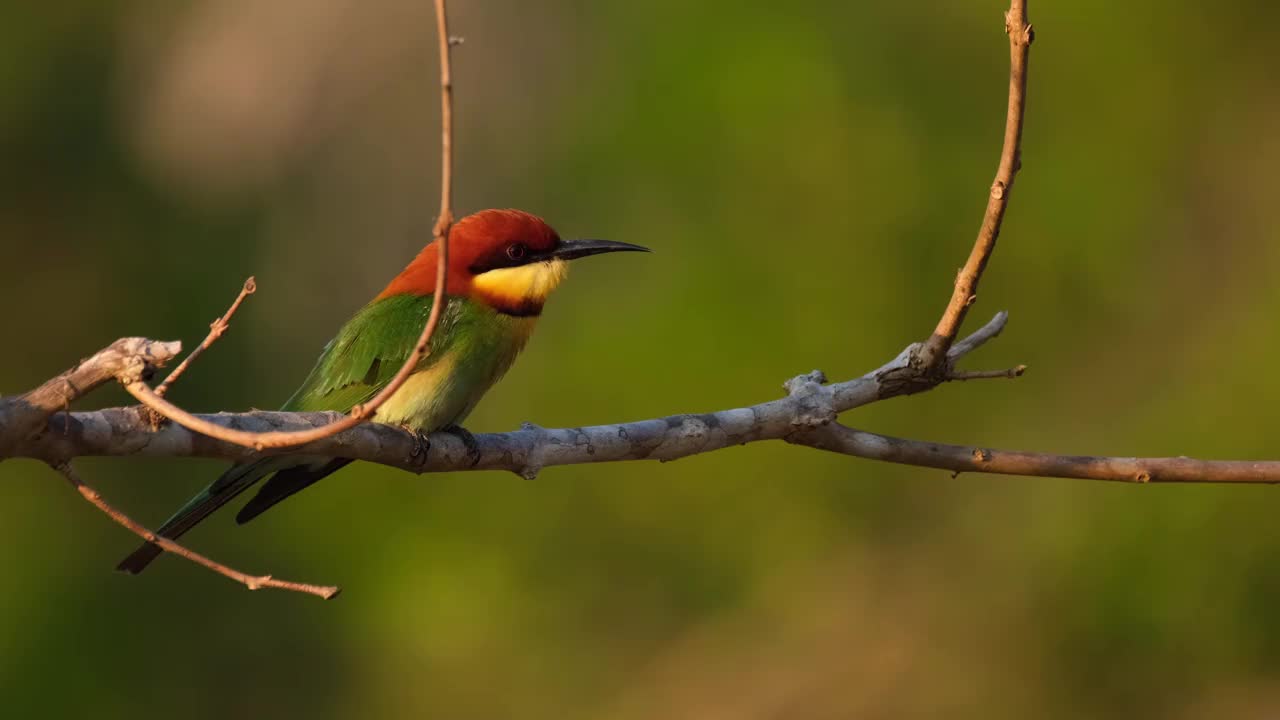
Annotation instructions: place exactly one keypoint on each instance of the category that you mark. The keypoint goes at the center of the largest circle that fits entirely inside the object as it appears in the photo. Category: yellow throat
(522, 289)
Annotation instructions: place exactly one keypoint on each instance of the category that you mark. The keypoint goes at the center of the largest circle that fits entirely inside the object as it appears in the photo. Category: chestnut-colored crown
(476, 242)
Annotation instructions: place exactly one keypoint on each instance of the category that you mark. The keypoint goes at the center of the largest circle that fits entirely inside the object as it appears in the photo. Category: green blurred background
(811, 175)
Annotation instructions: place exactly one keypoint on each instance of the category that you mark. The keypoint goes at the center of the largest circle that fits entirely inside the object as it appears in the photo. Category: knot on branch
(686, 435)
(814, 400)
(1020, 32)
(138, 358)
(921, 366)
(533, 461)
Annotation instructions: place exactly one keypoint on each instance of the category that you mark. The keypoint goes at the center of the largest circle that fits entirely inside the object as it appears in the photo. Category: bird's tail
(285, 483)
(234, 481)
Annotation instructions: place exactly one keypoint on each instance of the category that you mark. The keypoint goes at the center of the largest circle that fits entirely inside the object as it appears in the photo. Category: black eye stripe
(513, 255)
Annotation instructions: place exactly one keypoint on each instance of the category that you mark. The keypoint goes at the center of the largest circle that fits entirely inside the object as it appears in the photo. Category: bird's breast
(446, 390)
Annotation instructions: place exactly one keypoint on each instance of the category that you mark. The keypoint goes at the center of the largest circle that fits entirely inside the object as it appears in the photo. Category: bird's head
(507, 259)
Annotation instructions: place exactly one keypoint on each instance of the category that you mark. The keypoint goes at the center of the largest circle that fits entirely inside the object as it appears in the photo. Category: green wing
(354, 366)
(369, 349)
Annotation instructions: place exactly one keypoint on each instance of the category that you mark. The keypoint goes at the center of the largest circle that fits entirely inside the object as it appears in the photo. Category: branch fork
(815, 401)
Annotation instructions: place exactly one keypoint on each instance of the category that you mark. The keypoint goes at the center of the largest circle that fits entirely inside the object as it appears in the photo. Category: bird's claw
(421, 444)
(469, 440)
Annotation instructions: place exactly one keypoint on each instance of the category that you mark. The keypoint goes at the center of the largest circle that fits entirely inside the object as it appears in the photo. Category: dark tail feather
(285, 483)
(139, 559)
(234, 481)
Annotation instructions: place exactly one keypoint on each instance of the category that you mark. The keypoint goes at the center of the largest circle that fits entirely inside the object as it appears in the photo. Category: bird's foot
(421, 444)
(469, 440)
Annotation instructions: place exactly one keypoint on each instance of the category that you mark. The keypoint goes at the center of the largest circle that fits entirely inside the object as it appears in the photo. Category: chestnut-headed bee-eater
(503, 264)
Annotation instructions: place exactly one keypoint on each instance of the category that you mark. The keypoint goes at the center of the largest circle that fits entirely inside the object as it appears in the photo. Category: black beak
(571, 249)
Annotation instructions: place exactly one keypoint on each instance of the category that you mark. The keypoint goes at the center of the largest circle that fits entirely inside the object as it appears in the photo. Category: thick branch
(933, 353)
(803, 418)
(809, 404)
(969, 458)
(126, 358)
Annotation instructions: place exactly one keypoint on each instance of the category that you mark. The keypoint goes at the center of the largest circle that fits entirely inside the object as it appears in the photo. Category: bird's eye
(517, 251)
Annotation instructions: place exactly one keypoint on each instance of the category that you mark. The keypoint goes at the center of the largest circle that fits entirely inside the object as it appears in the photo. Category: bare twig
(969, 458)
(1013, 372)
(445, 220)
(253, 582)
(360, 413)
(216, 329)
(932, 355)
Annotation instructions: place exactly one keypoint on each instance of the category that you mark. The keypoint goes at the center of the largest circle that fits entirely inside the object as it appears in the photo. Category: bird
(502, 267)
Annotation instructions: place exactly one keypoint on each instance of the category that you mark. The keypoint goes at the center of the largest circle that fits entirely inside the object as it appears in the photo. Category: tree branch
(445, 220)
(969, 458)
(803, 417)
(1014, 372)
(126, 359)
(216, 329)
(810, 403)
(253, 582)
(933, 353)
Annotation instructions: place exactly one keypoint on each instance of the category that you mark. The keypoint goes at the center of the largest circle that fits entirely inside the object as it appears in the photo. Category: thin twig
(446, 133)
(969, 458)
(1013, 372)
(216, 329)
(253, 582)
(933, 353)
(359, 413)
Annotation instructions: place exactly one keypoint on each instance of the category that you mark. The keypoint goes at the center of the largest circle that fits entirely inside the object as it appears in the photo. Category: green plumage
(371, 347)
(470, 350)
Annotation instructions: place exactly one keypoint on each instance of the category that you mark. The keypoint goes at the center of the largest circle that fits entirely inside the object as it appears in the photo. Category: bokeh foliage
(811, 174)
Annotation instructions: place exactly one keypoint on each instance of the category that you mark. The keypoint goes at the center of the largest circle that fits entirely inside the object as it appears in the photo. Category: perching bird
(503, 264)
